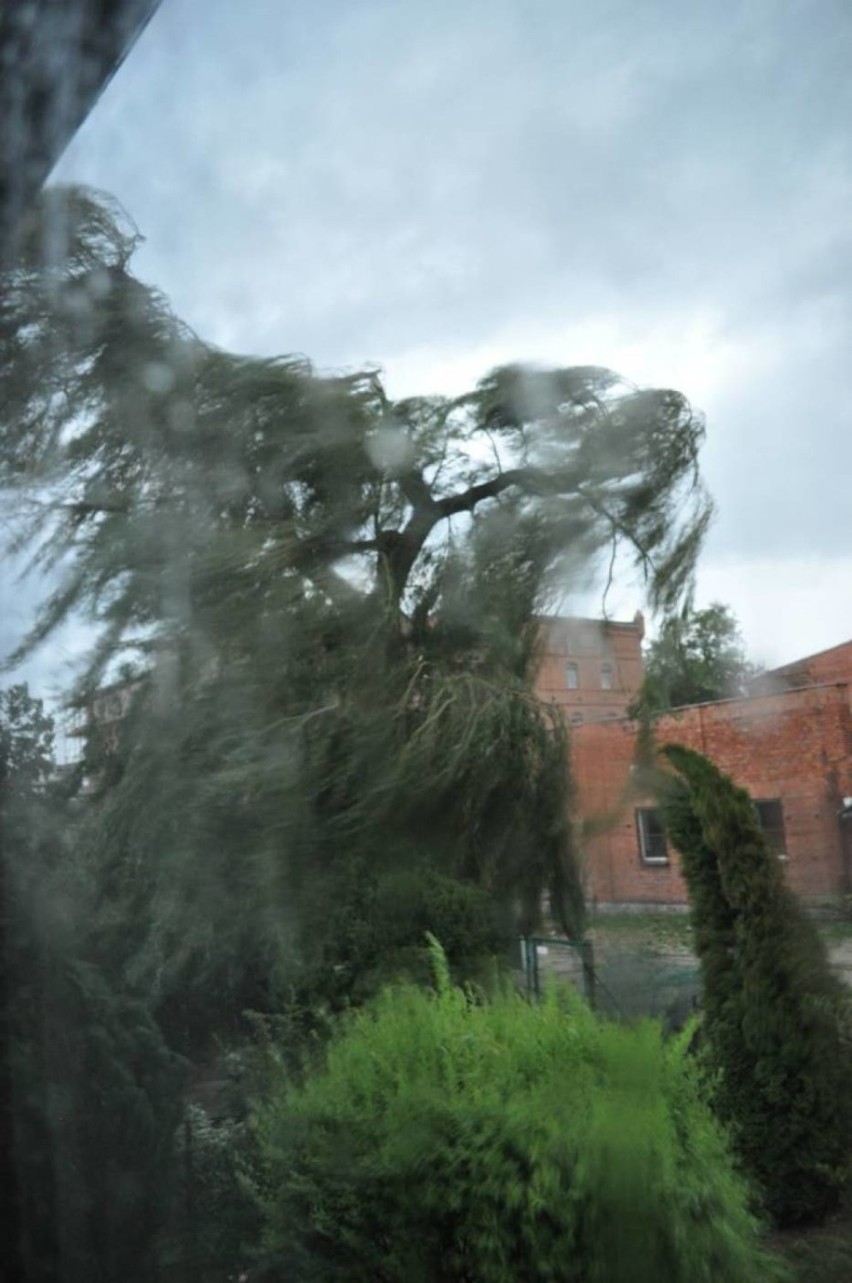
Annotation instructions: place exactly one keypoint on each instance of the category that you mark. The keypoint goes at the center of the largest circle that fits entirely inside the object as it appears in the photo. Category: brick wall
(834, 665)
(795, 746)
(602, 652)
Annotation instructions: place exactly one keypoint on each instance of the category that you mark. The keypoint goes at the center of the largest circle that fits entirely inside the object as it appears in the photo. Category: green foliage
(98, 1099)
(697, 657)
(333, 601)
(187, 482)
(26, 741)
(213, 1218)
(378, 925)
(314, 856)
(454, 1139)
(90, 1094)
(776, 1019)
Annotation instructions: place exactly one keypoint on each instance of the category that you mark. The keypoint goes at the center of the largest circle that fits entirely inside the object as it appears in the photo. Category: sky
(664, 188)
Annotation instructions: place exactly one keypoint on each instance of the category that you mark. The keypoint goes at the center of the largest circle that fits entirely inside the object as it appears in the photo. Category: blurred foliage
(97, 1103)
(459, 1139)
(213, 1218)
(331, 601)
(776, 1021)
(91, 1095)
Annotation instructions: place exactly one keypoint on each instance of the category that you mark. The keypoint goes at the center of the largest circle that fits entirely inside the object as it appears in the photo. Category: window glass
(653, 847)
(348, 352)
(770, 813)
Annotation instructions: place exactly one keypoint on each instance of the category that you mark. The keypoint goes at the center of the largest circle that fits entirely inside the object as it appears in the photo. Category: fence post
(587, 953)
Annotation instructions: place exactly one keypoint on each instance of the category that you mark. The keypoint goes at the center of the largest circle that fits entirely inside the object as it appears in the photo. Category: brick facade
(834, 665)
(591, 668)
(793, 747)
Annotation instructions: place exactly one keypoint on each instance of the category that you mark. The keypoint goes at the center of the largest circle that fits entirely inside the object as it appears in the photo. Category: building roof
(842, 651)
(632, 625)
(831, 665)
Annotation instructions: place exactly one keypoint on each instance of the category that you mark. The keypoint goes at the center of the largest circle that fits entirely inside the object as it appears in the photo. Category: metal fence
(559, 957)
(624, 983)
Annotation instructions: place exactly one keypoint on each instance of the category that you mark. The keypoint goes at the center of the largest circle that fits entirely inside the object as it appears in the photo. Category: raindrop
(180, 415)
(158, 377)
(99, 283)
(389, 449)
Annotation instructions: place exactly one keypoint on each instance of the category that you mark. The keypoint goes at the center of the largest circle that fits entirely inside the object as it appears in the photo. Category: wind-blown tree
(775, 1018)
(334, 597)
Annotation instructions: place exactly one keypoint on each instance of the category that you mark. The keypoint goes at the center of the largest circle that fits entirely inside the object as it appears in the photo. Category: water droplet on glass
(158, 377)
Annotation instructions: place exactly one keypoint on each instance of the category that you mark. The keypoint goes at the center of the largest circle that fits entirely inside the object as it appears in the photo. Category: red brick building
(834, 665)
(789, 744)
(591, 668)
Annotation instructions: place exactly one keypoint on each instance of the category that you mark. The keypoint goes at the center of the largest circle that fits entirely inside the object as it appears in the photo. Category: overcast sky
(664, 188)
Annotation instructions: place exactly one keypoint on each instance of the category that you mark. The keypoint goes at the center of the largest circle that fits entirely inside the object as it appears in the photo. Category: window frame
(644, 837)
(607, 675)
(572, 670)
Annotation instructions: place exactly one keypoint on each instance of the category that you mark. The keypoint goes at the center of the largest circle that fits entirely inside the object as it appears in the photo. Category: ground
(665, 939)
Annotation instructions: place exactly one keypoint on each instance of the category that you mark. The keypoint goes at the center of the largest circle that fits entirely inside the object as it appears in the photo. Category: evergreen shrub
(776, 1020)
(454, 1139)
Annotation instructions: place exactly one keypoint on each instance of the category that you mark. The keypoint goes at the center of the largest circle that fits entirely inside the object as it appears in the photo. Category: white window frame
(644, 837)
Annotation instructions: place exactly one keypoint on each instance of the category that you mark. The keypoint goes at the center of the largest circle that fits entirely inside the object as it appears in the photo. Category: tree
(334, 596)
(775, 1018)
(91, 1096)
(26, 741)
(698, 656)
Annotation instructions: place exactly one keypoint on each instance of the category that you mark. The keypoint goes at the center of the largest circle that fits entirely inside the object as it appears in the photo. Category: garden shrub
(383, 923)
(459, 1140)
(213, 1218)
(775, 1017)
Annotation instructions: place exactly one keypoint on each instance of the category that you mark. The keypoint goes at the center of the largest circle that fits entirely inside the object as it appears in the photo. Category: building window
(576, 719)
(572, 676)
(770, 813)
(606, 677)
(652, 836)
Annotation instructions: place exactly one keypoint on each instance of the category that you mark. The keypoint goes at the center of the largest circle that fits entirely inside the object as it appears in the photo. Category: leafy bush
(381, 926)
(775, 1016)
(456, 1140)
(98, 1098)
(213, 1217)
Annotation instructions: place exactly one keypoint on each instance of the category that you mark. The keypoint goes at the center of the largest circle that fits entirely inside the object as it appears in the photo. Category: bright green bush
(775, 1017)
(456, 1140)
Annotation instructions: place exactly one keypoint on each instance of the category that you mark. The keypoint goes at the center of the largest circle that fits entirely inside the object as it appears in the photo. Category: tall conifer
(776, 1019)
